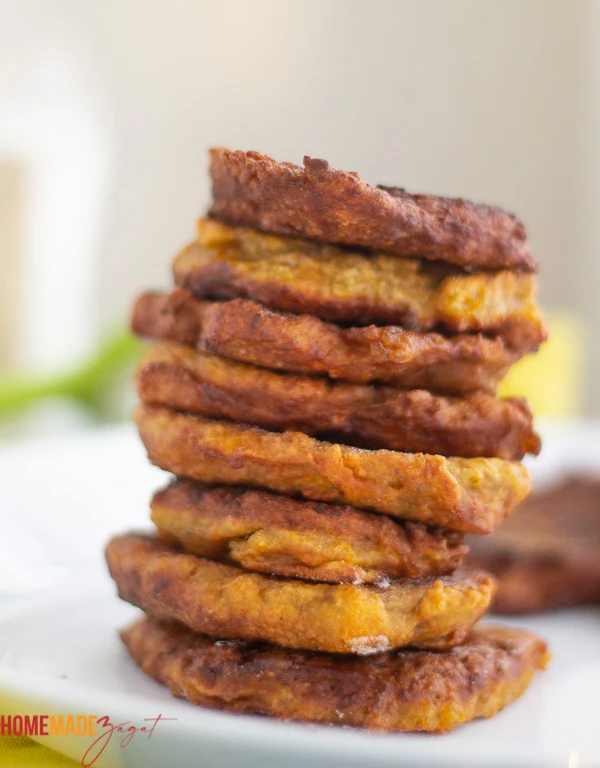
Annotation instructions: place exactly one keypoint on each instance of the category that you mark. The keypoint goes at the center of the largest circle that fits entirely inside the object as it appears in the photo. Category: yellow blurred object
(552, 378)
(17, 751)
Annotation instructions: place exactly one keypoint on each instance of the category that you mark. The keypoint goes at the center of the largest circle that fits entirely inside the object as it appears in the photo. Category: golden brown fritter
(333, 284)
(278, 535)
(320, 203)
(411, 690)
(471, 495)
(367, 415)
(548, 555)
(246, 331)
(225, 601)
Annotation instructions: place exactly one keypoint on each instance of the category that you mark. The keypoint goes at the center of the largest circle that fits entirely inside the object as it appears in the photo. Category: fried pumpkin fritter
(350, 287)
(367, 415)
(470, 495)
(548, 554)
(225, 601)
(246, 331)
(282, 536)
(321, 203)
(410, 690)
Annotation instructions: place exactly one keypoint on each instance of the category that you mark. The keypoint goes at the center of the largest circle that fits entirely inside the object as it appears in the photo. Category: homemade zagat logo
(48, 725)
(101, 729)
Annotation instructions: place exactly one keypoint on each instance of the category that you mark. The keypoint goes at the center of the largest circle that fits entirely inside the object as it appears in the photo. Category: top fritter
(320, 203)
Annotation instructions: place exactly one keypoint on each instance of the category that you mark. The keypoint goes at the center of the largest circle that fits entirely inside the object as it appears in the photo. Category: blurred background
(107, 110)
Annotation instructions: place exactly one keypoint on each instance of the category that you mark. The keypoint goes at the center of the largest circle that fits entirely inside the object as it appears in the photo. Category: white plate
(62, 654)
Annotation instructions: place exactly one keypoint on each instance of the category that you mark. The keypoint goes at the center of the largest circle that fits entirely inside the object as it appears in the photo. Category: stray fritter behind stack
(323, 389)
(548, 556)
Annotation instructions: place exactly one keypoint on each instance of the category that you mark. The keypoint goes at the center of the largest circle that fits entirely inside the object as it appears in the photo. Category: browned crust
(304, 539)
(412, 690)
(349, 287)
(225, 601)
(548, 554)
(247, 331)
(369, 416)
(321, 203)
(471, 495)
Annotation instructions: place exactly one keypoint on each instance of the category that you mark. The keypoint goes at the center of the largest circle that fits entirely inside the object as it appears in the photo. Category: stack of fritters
(322, 386)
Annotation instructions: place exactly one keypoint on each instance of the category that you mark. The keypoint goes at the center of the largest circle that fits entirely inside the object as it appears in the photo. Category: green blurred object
(86, 384)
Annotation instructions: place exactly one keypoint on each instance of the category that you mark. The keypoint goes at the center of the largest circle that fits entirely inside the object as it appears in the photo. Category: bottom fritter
(407, 690)
(225, 601)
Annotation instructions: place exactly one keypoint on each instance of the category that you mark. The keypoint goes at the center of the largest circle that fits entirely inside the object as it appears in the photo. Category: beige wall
(496, 101)
(586, 293)
(487, 100)
(10, 242)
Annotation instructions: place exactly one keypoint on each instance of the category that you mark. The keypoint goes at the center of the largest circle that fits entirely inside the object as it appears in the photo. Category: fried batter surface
(327, 282)
(369, 416)
(304, 539)
(321, 203)
(471, 495)
(225, 601)
(246, 331)
(411, 690)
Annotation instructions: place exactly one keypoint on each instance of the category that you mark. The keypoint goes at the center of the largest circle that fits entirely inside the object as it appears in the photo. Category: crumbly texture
(225, 601)
(350, 287)
(368, 415)
(321, 203)
(471, 495)
(247, 331)
(548, 555)
(282, 536)
(410, 690)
